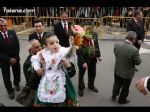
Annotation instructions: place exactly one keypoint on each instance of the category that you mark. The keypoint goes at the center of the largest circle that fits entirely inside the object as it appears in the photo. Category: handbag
(26, 96)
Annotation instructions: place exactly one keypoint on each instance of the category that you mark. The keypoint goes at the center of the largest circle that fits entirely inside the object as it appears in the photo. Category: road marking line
(143, 50)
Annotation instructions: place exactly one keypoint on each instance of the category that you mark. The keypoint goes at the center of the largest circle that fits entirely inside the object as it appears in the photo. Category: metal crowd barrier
(106, 24)
(23, 24)
(117, 25)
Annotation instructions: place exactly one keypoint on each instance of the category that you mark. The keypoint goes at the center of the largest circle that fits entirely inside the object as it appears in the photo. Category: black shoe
(80, 93)
(93, 89)
(12, 95)
(123, 102)
(17, 88)
(113, 98)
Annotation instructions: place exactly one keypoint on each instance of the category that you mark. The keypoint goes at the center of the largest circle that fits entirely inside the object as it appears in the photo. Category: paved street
(104, 80)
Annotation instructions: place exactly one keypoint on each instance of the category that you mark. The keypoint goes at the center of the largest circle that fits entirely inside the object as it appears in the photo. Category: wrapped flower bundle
(83, 38)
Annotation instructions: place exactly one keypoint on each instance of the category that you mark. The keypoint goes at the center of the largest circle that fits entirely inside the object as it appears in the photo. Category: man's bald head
(34, 46)
(32, 42)
(35, 42)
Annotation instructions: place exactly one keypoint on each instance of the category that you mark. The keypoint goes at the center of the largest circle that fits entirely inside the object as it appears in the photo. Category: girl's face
(53, 44)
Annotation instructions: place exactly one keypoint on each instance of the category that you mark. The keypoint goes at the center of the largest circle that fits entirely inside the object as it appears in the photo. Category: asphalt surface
(104, 79)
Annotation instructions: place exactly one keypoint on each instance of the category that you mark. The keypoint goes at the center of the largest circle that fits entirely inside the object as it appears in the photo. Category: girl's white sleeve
(35, 60)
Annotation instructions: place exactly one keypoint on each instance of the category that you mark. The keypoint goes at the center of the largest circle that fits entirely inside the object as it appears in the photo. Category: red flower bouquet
(83, 38)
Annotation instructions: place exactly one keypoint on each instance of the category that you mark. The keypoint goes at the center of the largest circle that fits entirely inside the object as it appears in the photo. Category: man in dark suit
(136, 24)
(143, 85)
(9, 56)
(127, 56)
(88, 62)
(39, 32)
(34, 47)
(63, 30)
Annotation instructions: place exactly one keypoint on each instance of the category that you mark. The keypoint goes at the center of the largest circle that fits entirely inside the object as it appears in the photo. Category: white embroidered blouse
(51, 88)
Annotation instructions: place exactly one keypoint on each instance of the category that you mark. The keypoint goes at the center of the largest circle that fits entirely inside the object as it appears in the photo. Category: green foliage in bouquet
(88, 34)
(88, 50)
(94, 35)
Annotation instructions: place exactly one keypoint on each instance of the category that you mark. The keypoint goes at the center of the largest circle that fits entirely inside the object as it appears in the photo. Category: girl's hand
(40, 72)
(66, 63)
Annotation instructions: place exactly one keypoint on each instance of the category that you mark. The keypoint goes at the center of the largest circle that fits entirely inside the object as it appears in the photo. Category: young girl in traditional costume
(55, 87)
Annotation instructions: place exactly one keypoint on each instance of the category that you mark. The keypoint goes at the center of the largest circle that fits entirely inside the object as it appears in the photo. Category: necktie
(91, 43)
(138, 24)
(65, 30)
(39, 37)
(6, 38)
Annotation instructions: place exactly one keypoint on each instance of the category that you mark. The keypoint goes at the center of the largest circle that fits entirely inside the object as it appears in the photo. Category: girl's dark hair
(48, 35)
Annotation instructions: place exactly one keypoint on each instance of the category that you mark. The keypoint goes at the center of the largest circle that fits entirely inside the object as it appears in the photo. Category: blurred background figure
(63, 30)
(136, 24)
(39, 32)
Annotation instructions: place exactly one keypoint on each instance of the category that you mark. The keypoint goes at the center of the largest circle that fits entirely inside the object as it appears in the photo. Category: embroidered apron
(51, 88)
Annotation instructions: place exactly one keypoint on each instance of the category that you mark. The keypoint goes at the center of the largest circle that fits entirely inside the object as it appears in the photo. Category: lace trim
(44, 91)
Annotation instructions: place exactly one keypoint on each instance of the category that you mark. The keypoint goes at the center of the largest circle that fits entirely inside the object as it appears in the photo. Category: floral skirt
(71, 98)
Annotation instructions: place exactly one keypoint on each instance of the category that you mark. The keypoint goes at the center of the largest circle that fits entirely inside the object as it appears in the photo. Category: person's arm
(136, 58)
(68, 67)
(98, 53)
(147, 84)
(143, 85)
(71, 70)
(17, 46)
(35, 60)
(27, 67)
(143, 33)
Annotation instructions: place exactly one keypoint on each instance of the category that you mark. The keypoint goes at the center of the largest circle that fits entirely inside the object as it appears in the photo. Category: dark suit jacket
(35, 36)
(132, 26)
(58, 30)
(27, 67)
(127, 56)
(84, 58)
(12, 51)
